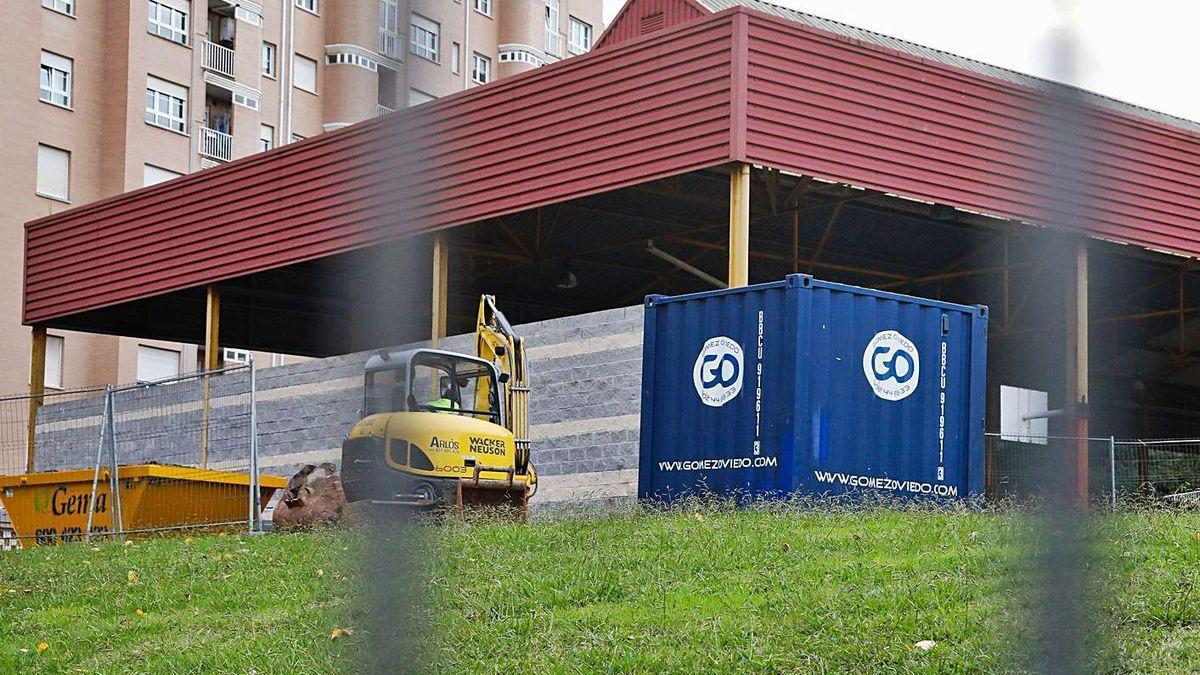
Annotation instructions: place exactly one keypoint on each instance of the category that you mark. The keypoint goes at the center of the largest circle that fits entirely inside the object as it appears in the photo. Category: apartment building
(105, 96)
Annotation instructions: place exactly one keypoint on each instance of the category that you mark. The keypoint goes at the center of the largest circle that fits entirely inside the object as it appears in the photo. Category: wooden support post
(212, 361)
(837, 210)
(1007, 283)
(441, 269)
(37, 388)
(1143, 462)
(1182, 317)
(795, 241)
(739, 226)
(1077, 365)
(212, 330)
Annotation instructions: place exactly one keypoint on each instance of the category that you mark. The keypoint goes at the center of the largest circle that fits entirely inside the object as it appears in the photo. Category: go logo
(717, 374)
(892, 365)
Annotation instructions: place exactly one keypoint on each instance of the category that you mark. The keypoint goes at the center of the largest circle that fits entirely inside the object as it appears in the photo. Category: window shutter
(304, 73)
(54, 360)
(156, 364)
(153, 175)
(53, 174)
(168, 88)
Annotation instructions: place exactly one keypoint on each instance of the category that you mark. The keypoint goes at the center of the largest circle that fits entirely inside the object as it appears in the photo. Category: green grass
(217, 604)
(692, 590)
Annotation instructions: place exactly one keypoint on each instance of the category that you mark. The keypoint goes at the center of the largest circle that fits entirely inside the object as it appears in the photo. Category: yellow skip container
(52, 507)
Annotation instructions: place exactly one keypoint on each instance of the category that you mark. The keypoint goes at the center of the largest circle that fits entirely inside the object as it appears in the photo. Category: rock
(319, 502)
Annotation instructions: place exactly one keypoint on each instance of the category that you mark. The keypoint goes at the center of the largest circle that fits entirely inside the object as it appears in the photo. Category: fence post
(1112, 470)
(87, 535)
(255, 496)
(1143, 465)
(115, 491)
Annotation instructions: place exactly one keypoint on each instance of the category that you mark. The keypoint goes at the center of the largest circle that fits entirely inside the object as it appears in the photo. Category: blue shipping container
(810, 386)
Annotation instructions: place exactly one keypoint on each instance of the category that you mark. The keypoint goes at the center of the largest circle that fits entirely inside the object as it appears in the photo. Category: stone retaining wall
(585, 374)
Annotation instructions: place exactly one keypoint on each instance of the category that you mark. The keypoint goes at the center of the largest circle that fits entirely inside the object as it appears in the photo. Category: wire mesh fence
(1157, 469)
(14, 422)
(169, 454)
(1118, 470)
(1013, 469)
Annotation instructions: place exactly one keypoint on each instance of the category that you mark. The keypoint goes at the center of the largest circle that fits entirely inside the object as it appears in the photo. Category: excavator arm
(496, 341)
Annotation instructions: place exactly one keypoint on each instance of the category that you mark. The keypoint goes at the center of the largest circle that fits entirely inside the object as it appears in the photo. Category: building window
(53, 172)
(235, 356)
(166, 105)
(168, 19)
(153, 175)
(266, 137)
(389, 89)
(156, 364)
(455, 57)
(510, 55)
(245, 101)
(268, 64)
(424, 38)
(552, 7)
(481, 68)
(54, 360)
(579, 38)
(304, 73)
(56, 80)
(417, 97)
(483, 7)
(307, 5)
(251, 17)
(351, 59)
(64, 6)
(389, 29)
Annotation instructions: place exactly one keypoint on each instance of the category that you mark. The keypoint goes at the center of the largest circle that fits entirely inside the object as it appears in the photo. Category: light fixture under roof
(567, 279)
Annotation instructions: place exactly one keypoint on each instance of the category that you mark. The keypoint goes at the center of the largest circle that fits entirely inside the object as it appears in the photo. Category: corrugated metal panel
(641, 17)
(812, 386)
(537, 138)
(804, 100)
(820, 105)
(938, 56)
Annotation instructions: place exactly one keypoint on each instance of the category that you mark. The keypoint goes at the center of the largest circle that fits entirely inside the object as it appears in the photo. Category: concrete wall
(585, 404)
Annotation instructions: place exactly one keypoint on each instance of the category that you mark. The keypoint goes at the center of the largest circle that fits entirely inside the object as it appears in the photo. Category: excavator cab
(434, 432)
(428, 380)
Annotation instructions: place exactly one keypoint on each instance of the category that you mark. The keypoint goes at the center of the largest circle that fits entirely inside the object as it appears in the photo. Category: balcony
(216, 145)
(389, 43)
(383, 110)
(553, 43)
(218, 59)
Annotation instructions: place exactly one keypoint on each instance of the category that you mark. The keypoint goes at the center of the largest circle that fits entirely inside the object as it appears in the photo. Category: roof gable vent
(652, 22)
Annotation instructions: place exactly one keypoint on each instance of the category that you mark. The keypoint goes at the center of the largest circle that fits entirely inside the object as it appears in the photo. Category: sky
(1143, 53)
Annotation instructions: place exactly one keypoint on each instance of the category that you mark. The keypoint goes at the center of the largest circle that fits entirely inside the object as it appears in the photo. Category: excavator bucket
(474, 493)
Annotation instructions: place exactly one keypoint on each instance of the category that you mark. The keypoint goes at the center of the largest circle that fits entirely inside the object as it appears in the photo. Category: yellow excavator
(440, 428)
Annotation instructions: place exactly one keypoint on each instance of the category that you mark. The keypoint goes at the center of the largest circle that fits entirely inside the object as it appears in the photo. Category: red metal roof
(738, 85)
(582, 126)
(876, 118)
(643, 17)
